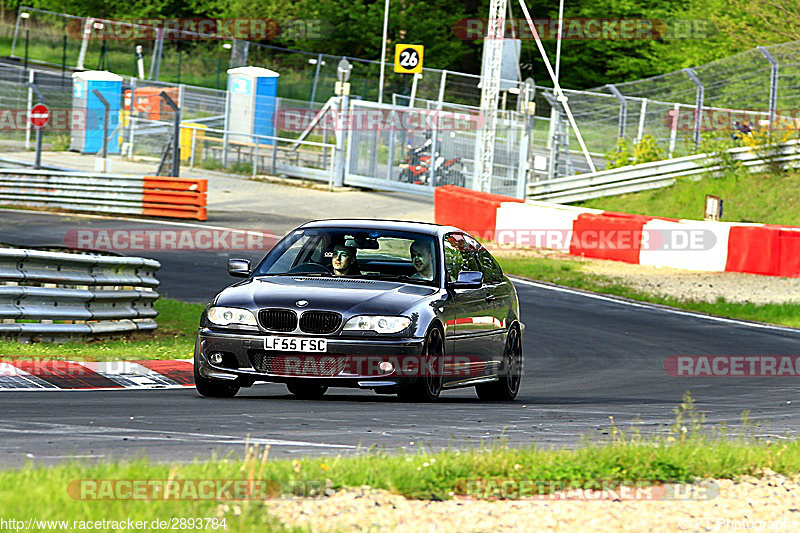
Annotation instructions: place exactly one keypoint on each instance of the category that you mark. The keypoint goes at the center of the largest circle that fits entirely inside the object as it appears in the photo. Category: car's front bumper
(348, 362)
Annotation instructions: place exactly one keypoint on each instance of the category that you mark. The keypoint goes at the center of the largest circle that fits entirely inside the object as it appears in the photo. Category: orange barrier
(769, 250)
(175, 197)
(608, 236)
(472, 211)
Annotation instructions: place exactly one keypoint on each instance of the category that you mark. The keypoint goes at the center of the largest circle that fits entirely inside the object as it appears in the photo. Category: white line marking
(654, 307)
(145, 220)
(115, 433)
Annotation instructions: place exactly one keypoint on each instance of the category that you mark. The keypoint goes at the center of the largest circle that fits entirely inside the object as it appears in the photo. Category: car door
(474, 336)
(498, 292)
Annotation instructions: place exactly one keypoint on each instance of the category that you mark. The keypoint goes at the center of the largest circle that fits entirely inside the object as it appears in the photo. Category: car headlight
(222, 316)
(379, 324)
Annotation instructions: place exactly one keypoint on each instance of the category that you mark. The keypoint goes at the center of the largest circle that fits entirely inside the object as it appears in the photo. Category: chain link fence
(758, 86)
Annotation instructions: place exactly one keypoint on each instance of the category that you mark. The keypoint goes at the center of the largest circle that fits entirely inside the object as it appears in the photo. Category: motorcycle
(416, 168)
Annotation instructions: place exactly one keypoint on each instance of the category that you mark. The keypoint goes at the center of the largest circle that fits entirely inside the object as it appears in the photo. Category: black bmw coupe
(402, 308)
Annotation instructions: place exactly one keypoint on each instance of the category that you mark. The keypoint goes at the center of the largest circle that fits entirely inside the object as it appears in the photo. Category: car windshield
(341, 252)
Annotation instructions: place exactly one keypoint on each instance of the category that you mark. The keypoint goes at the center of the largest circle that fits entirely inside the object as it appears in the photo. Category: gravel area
(740, 506)
(684, 284)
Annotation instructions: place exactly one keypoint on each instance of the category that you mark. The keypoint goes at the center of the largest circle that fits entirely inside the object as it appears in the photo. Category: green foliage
(645, 151)
(719, 159)
(690, 32)
(621, 156)
(60, 143)
(748, 198)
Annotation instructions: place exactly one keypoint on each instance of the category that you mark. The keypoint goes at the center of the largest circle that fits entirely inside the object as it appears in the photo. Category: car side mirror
(468, 279)
(239, 268)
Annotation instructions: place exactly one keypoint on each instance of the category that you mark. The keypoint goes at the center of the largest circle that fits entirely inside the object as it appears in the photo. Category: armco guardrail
(104, 193)
(55, 295)
(654, 175)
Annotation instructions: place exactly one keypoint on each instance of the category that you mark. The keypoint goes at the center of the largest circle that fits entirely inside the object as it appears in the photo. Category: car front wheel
(428, 383)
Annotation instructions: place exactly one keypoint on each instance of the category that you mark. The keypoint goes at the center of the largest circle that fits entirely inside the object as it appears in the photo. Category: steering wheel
(309, 268)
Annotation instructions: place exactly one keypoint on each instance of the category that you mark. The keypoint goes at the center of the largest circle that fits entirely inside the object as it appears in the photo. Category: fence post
(155, 65)
(773, 85)
(674, 133)
(16, 31)
(698, 106)
(642, 116)
(194, 140)
(176, 134)
(31, 78)
(623, 109)
(316, 79)
(341, 134)
(87, 30)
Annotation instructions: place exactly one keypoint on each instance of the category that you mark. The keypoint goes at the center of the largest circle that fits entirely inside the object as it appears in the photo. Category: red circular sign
(40, 115)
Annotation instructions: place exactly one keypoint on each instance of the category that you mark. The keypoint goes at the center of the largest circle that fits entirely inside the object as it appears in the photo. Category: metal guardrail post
(698, 106)
(176, 135)
(623, 109)
(773, 84)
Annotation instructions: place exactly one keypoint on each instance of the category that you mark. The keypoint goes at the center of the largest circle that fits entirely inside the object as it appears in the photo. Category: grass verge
(174, 339)
(748, 198)
(569, 272)
(43, 492)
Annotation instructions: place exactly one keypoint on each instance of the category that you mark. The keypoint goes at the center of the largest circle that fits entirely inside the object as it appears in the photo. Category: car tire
(307, 391)
(507, 388)
(428, 385)
(213, 388)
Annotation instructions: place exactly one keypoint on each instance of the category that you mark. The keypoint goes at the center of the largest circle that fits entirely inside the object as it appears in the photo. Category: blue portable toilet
(252, 101)
(87, 107)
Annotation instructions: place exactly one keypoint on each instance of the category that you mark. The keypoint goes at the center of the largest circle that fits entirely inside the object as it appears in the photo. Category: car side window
(492, 273)
(458, 256)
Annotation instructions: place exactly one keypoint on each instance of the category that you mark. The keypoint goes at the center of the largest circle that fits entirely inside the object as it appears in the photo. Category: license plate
(295, 344)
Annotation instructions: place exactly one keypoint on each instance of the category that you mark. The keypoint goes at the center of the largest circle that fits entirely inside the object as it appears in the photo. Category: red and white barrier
(656, 241)
(85, 375)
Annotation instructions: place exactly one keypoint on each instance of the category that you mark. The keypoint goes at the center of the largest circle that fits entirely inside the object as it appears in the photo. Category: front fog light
(215, 358)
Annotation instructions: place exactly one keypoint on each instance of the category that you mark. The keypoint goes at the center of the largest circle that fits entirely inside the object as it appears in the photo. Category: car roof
(377, 224)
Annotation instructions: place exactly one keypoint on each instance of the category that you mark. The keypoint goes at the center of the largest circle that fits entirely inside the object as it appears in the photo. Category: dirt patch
(746, 504)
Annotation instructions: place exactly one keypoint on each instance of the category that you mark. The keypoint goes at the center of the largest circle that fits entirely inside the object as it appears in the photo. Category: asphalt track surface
(587, 358)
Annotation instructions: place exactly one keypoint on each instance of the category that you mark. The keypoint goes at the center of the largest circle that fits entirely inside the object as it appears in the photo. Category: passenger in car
(344, 261)
(422, 259)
